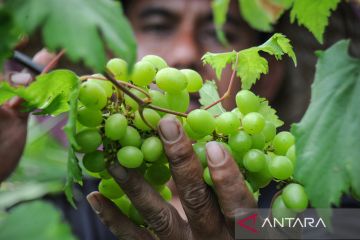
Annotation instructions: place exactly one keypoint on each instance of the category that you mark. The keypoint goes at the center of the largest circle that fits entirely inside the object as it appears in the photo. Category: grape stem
(53, 62)
(230, 87)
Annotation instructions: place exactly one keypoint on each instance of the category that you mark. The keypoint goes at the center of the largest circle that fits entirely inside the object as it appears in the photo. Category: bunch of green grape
(112, 126)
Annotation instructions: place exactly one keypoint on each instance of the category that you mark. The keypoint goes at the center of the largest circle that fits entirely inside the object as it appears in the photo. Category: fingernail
(118, 172)
(20, 78)
(94, 203)
(169, 129)
(215, 153)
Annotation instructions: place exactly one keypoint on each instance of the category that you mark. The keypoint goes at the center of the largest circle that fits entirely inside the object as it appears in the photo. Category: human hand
(210, 215)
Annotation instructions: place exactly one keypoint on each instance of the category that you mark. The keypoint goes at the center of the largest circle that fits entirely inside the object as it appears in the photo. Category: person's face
(181, 31)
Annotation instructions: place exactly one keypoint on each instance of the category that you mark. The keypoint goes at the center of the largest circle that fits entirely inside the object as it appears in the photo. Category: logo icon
(252, 219)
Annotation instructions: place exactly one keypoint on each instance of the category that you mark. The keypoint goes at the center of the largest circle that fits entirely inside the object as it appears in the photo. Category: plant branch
(230, 87)
(53, 62)
(141, 112)
(165, 110)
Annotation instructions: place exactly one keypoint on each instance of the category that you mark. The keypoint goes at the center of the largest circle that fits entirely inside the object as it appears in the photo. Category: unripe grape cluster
(112, 126)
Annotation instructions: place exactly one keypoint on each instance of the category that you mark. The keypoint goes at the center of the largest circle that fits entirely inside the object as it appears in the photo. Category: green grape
(207, 177)
(227, 147)
(178, 101)
(237, 112)
(201, 122)
(119, 68)
(281, 167)
(89, 117)
(88, 140)
(247, 101)
(158, 174)
(227, 123)
(238, 157)
(279, 209)
(254, 160)
(156, 61)
(166, 193)
(105, 174)
(94, 161)
(115, 126)
(143, 73)
(171, 80)
(291, 154)
(200, 150)
(163, 159)
(253, 123)
(151, 116)
(262, 178)
(190, 133)
(282, 142)
(240, 142)
(269, 131)
(135, 216)
(194, 80)
(159, 99)
(123, 203)
(130, 157)
(105, 85)
(294, 197)
(258, 141)
(131, 102)
(152, 149)
(131, 138)
(92, 95)
(249, 187)
(110, 189)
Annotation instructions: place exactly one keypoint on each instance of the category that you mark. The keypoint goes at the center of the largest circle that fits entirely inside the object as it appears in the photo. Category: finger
(232, 192)
(115, 220)
(197, 198)
(43, 57)
(160, 216)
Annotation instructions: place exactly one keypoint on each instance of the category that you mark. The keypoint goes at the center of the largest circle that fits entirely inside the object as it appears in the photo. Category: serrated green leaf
(83, 27)
(269, 113)
(314, 15)
(208, 95)
(220, 9)
(218, 61)
(256, 15)
(328, 135)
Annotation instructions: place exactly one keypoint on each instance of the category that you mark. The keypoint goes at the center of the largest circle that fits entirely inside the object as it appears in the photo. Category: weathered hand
(210, 215)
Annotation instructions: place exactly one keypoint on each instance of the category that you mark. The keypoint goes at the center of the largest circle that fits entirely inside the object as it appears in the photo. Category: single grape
(131, 102)
(201, 121)
(159, 99)
(166, 193)
(158, 62)
(94, 161)
(135, 216)
(237, 112)
(294, 197)
(291, 154)
(262, 178)
(207, 177)
(130, 157)
(282, 142)
(254, 160)
(247, 101)
(258, 141)
(194, 80)
(281, 167)
(105, 174)
(200, 150)
(130, 138)
(151, 116)
(123, 203)
(279, 209)
(158, 174)
(227, 123)
(179, 101)
(190, 133)
(240, 142)
(88, 140)
(269, 131)
(89, 117)
(105, 85)
(238, 157)
(171, 80)
(253, 123)
(92, 95)
(115, 126)
(110, 189)
(119, 68)
(152, 149)
(143, 73)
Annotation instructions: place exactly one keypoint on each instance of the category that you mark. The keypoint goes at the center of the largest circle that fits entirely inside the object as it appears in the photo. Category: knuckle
(179, 153)
(161, 221)
(197, 197)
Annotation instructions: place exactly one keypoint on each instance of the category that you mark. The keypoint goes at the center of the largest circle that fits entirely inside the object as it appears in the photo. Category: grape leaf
(218, 61)
(220, 9)
(269, 113)
(208, 95)
(314, 15)
(256, 15)
(328, 135)
(83, 27)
